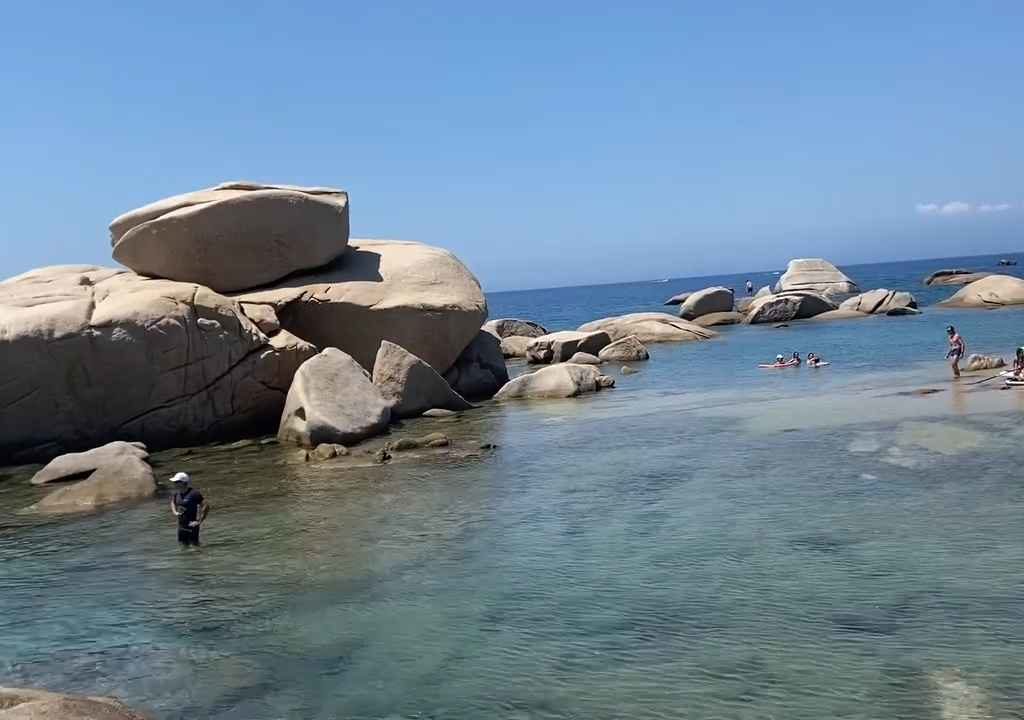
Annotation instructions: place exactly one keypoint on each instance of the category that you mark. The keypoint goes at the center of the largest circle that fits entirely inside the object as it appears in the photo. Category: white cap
(181, 478)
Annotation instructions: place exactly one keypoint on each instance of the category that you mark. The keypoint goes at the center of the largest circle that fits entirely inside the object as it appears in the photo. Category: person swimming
(813, 360)
(795, 360)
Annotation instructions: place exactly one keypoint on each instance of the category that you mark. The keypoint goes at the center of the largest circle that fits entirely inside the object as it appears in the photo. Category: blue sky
(545, 143)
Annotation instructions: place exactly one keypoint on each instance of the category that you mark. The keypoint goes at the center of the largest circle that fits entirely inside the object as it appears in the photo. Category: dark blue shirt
(188, 504)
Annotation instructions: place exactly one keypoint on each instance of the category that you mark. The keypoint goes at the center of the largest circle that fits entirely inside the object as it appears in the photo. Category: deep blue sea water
(706, 540)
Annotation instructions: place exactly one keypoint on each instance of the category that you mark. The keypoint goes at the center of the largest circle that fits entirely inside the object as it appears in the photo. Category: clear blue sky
(545, 143)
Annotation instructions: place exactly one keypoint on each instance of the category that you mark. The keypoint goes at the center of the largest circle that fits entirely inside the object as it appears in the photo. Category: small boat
(1007, 262)
(663, 281)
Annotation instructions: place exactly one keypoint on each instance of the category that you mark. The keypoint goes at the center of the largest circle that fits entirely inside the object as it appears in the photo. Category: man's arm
(174, 507)
(204, 510)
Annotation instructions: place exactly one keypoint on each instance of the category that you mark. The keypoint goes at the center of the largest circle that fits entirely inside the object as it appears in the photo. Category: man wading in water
(957, 349)
(189, 506)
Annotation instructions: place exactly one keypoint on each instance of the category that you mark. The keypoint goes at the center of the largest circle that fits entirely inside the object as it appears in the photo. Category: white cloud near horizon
(959, 207)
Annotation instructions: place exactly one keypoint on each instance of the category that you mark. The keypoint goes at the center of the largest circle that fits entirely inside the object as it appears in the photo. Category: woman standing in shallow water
(957, 349)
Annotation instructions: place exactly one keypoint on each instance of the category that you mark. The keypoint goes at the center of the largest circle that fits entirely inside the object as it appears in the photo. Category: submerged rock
(480, 370)
(707, 301)
(560, 346)
(233, 236)
(122, 478)
(431, 441)
(564, 380)
(332, 400)
(416, 296)
(627, 370)
(410, 385)
(649, 328)
(984, 362)
(90, 355)
(628, 349)
(77, 465)
(328, 451)
(513, 327)
(993, 291)
(815, 274)
(26, 704)
(585, 359)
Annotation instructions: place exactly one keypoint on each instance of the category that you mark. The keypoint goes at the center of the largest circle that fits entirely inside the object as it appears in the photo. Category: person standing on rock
(190, 507)
(957, 349)
(750, 288)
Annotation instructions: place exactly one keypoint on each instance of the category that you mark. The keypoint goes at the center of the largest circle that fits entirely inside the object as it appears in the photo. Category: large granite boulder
(743, 304)
(815, 274)
(564, 380)
(90, 354)
(416, 296)
(649, 328)
(123, 478)
(235, 235)
(954, 276)
(26, 704)
(515, 346)
(993, 291)
(720, 318)
(560, 346)
(74, 466)
(628, 349)
(786, 306)
(678, 299)
(879, 302)
(410, 385)
(332, 400)
(480, 369)
(707, 301)
(512, 327)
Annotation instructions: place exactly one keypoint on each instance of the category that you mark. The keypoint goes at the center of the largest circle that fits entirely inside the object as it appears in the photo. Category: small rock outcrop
(560, 346)
(649, 328)
(410, 385)
(480, 369)
(815, 274)
(332, 400)
(879, 302)
(513, 327)
(416, 296)
(564, 380)
(677, 299)
(786, 306)
(840, 314)
(515, 346)
(955, 276)
(73, 466)
(984, 362)
(628, 349)
(235, 235)
(585, 359)
(994, 291)
(26, 704)
(707, 301)
(743, 304)
(123, 478)
(719, 318)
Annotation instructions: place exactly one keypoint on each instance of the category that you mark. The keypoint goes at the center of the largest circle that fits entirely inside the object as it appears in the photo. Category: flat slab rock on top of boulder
(71, 465)
(332, 400)
(513, 327)
(419, 297)
(879, 302)
(186, 362)
(234, 236)
(649, 328)
(563, 380)
(560, 346)
(815, 274)
(955, 276)
(410, 385)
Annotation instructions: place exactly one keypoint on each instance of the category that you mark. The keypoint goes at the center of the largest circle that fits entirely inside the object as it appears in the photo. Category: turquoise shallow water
(705, 541)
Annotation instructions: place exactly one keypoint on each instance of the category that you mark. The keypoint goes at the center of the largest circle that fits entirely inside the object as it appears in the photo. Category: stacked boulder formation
(228, 292)
(815, 274)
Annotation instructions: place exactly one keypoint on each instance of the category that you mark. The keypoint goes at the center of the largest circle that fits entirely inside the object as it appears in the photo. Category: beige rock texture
(840, 314)
(233, 236)
(513, 327)
(416, 296)
(480, 369)
(27, 704)
(984, 362)
(677, 299)
(719, 318)
(954, 276)
(994, 291)
(815, 274)
(879, 302)
(124, 478)
(411, 386)
(649, 328)
(786, 306)
(332, 400)
(707, 301)
(515, 346)
(563, 380)
(582, 358)
(628, 349)
(560, 346)
(76, 465)
(89, 355)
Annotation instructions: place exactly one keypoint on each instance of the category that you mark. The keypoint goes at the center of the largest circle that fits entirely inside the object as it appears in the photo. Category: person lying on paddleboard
(957, 349)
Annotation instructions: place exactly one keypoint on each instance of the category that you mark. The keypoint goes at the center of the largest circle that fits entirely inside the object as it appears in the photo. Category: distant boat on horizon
(663, 281)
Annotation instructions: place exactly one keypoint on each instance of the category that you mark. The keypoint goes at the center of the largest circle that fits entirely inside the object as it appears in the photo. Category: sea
(706, 540)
